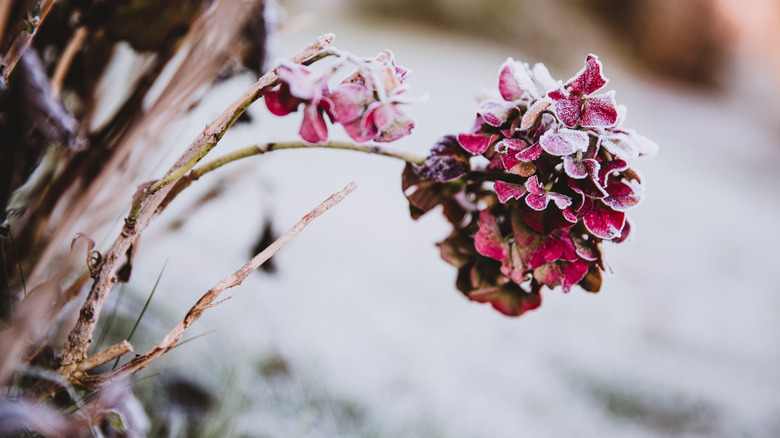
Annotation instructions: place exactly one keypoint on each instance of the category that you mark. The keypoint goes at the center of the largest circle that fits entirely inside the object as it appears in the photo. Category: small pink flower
(538, 197)
(367, 103)
(575, 102)
(515, 81)
(386, 122)
(564, 141)
(488, 240)
(300, 86)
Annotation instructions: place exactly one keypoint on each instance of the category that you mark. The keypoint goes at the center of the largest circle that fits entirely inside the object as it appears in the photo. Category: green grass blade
(143, 311)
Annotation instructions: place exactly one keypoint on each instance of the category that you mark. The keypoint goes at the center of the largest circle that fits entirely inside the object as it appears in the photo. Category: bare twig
(209, 299)
(22, 41)
(146, 203)
(260, 149)
(109, 354)
(207, 47)
(5, 12)
(63, 65)
(216, 129)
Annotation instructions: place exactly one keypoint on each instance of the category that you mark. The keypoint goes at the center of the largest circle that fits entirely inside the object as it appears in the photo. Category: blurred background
(359, 331)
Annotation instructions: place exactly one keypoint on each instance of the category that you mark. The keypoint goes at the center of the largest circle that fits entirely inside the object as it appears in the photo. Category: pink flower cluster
(554, 183)
(366, 103)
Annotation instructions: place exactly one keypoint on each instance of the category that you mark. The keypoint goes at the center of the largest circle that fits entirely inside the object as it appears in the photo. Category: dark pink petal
(561, 201)
(549, 274)
(589, 80)
(531, 153)
(476, 143)
(625, 233)
(280, 102)
(573, 273)
(533, 186)
(586, 249)
(303, 84)
(570, 215)
(604, 222)
(511, 301)
(537, 202)
(623, 195)
(512, 265)
(497, 113)
(569, 253)
(313, 129)
(514, 81)
(564, 142)
(522, 233)
(599, 111)
(538, 197)
(544, 221)
(580, 169)
(611, 168)
(533, 114)
(507, 191)
(349, 102)
(515, 166)
(496, 162)
(356, 132)
(567, 107)
(488, 240)
(587, 188)
(549, 250)
(391, 122)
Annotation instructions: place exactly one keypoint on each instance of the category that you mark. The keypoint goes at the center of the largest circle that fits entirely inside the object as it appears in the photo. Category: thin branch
(214, 131)
(209, 299)
(268, 147)
(63, 65)
(5, 13)
(22, 41)
(146, 204)
(109, 354)
(260, 149)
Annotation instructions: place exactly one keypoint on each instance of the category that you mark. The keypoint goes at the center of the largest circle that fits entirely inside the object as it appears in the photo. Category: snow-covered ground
(683, 341)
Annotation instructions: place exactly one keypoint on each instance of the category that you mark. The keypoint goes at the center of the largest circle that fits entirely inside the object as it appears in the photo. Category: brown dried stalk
(104, 356)
(209, 299)
(22, 41)
(63, 65)
(133, 132)
(145, 205)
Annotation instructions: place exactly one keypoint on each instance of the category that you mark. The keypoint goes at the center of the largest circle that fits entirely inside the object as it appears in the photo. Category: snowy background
(361, 331)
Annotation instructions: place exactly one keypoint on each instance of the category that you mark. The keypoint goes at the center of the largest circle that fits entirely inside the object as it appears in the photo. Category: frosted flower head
(540, 183)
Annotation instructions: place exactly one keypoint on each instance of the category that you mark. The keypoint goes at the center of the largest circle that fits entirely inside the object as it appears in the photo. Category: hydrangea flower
(538, 184)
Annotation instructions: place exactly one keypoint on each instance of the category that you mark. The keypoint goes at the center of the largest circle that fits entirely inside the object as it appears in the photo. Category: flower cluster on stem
(534, 188)
(367, 103)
